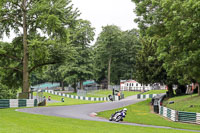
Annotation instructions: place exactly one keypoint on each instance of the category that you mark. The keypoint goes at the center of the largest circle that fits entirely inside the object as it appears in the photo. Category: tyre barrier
(15, 103)
(146, 96)
(78, 97)
(174, 115)
(180, 116)
(168, 113)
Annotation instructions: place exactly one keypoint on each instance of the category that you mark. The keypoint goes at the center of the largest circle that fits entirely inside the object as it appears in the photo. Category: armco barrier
(14, 103)
(180, 116)
(78, 97)
(146, 96)
(188, 117)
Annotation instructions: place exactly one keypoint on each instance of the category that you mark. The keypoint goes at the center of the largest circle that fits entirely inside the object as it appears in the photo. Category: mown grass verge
(189, 103)
(18, 122)
(67, 101)
(154, 92)
(141, 113)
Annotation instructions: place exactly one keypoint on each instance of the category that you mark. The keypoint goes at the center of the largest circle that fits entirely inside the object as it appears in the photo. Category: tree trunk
(197, 85)
(81, 84)
(74, 86)
(109, 66)
(25, 48)
(170, 91)
(62, 85)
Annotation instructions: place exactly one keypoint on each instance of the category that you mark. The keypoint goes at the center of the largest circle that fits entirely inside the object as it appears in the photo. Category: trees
(83, 35)
(183, 39)
(148, 68)
(79, 67)
(174, 26)
(5, 92)
(182, 23)
(127, 54)
(28, 19)
(107, 47)
(115, 53)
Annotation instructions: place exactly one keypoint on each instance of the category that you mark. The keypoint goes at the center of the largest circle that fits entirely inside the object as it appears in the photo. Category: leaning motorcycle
(118, 115)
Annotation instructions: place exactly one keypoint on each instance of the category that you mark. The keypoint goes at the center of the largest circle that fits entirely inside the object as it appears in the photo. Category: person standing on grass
(118, 94)
(49, 98)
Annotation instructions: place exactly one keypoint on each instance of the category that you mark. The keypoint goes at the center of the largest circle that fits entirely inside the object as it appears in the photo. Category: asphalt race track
(88, 111)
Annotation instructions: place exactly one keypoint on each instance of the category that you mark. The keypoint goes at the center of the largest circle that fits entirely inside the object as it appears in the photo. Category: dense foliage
(115, 52)
(42, 28)
(173, 27)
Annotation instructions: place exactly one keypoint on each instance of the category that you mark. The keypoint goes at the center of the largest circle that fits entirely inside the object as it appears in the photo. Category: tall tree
(48, 16)
(107, 47)
(79, 68)
(127, 54)
(149, 69)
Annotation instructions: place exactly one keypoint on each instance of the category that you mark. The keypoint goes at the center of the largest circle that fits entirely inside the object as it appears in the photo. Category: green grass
(155, 92)
(141, 113)
(68, 101)
(183, 103)
(130, 93)
(18, 122)
(105, 93)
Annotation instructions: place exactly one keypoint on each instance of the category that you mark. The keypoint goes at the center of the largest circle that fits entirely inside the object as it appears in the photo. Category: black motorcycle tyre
(118, 118)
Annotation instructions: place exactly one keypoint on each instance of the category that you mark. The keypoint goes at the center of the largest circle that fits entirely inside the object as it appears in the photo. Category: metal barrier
(43, 86)
(81, 93)
(116, 87)
(188, 117)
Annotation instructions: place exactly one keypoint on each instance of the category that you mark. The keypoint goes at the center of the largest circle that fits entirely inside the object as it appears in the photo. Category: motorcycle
(118, 115)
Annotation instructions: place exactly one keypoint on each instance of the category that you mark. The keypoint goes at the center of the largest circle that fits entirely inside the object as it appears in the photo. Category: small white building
(132, 85)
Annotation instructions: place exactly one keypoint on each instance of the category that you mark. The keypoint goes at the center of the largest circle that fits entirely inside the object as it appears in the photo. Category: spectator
(118, 94)
(49, 98)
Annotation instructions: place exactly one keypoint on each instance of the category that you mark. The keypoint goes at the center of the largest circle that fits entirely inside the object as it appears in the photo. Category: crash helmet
(125, 109)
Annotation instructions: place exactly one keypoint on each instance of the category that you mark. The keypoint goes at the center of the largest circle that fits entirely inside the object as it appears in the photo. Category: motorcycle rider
(124, 111)
(121, 111)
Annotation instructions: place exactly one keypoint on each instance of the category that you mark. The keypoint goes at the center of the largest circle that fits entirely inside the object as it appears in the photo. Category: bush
(6, 93)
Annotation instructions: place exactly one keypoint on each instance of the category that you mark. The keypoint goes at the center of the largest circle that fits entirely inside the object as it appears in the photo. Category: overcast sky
(105, 12)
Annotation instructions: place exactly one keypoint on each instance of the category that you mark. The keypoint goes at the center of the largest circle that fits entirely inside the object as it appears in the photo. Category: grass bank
(155, 92)
(189, 103)
(18, 122)
(141, 113)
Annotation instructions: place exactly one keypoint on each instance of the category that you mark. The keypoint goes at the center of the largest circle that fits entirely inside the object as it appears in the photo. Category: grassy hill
(189, 103)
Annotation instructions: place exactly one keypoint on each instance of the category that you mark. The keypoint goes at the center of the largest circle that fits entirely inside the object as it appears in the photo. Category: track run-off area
(89, 111)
